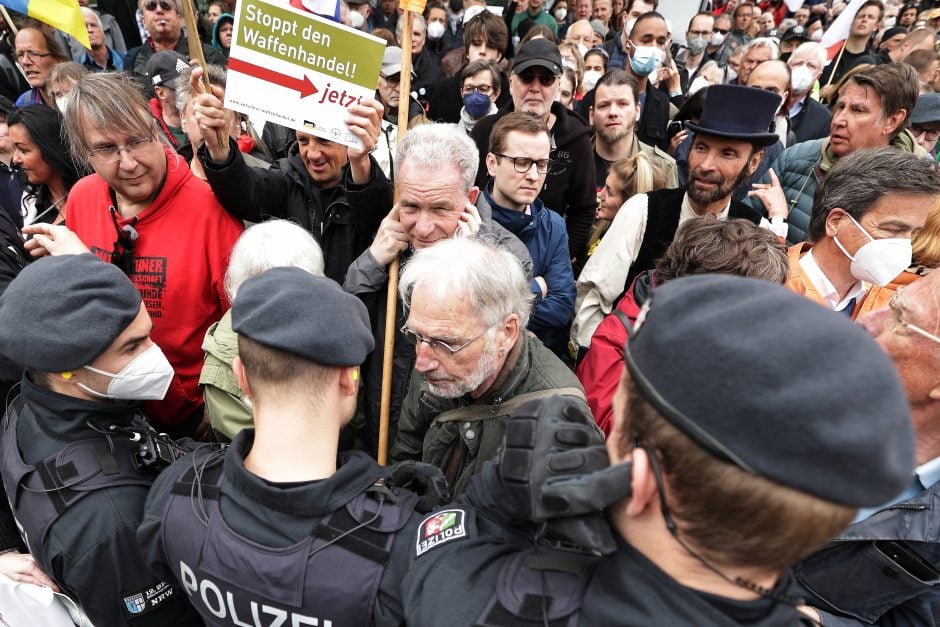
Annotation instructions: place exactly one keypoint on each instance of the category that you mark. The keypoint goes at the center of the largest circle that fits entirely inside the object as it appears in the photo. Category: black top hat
(738, 112)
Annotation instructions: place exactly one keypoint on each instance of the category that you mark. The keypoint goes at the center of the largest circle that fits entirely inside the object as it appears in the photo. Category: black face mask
(785, 56)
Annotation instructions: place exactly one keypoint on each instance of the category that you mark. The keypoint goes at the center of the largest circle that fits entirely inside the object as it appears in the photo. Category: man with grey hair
(756, 52)
(468, 304)
(860, 234)
(808, 119)
(144, 211)
(429, 210)
(271, 244)
(102, 57)
(163, 19)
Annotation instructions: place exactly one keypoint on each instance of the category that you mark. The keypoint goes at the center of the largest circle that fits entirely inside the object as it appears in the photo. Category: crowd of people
(661, 348)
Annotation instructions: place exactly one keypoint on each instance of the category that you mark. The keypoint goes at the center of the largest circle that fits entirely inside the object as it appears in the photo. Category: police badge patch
(439, 528)
(148, 599)
(135, 604)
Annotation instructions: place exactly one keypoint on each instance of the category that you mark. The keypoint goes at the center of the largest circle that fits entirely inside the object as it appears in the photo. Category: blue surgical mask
(645, 59)
(477, 104)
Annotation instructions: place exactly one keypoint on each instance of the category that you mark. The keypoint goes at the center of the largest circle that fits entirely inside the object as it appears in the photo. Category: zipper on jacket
(908, 506)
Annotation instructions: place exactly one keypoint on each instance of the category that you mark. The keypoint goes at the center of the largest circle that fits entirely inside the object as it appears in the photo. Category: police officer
(278, 528)
(730, 463)
(74, 478)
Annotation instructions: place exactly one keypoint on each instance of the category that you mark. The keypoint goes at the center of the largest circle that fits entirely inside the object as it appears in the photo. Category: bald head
(772, 76)
(580, 32)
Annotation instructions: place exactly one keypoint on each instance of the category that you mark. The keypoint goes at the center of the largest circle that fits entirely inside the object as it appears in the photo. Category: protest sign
(300, 70)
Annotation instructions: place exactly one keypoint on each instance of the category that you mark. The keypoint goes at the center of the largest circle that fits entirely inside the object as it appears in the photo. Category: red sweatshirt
(185, 238)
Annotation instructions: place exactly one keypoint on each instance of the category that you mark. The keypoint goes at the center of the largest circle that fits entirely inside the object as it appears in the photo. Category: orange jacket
(875, 298)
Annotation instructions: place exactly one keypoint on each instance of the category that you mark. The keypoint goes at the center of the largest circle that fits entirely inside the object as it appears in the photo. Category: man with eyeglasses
(468, 306)
(925, 122)
(884, 568)
(693, 55)
(144, 211)
(163, 19)
(517, 162)
(480, 89)
(569, 184)
(37, 52)
(860, 234)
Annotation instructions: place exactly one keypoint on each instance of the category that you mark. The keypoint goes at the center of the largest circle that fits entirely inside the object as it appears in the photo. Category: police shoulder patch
(440, 528)
(148, 599)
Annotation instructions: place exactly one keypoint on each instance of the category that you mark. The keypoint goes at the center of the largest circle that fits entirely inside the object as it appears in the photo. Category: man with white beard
(468, 304)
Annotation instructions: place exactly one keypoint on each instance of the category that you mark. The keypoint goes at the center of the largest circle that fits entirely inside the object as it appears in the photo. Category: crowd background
(564, 162)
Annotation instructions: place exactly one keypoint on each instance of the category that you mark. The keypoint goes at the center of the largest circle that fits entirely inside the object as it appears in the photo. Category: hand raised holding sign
(210, 116)
(364, 120)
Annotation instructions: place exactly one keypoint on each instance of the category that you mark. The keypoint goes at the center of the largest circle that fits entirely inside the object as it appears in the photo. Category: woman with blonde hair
(633, 175)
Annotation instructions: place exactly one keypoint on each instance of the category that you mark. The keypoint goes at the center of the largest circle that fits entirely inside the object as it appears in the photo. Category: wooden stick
(835, 67)
(391, 304)
(195, 54)
(14, 30)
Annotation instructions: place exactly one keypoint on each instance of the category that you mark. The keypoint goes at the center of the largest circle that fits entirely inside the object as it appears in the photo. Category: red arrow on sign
(303, 85)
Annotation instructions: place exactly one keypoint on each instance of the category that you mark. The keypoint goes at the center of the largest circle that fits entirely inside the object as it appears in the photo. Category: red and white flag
(839, 30)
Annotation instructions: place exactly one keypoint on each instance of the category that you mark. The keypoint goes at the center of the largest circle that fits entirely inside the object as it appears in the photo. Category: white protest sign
(300, 70)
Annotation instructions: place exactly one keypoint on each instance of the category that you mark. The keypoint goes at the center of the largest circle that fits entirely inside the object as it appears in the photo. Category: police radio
(155, 452)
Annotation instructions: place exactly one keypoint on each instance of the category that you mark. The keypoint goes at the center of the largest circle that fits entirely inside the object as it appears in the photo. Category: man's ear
(834, 221)
(754, 161)
(643, 484)
(491, 164)
(473, 194)
(591, 115)
(893, 121)
(349, 380)
(239, 369)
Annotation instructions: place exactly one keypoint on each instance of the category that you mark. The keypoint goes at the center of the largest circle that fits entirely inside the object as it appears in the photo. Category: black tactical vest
(329, 579)
(40, 493)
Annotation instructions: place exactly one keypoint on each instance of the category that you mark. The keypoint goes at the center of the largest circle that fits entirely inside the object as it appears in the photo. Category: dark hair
(477, 66)
(692, 108)
(707, 245)
(873, 3)
(276, 372)
(530, 31)
(598, 52)
(617, 78)
(48, 36)
(515, 121)
(702, 14)
(920, 60)
(486, 27)
(730, 516)
(629, 5)
(650, 15)
(885, 171)
(45, 128)
(895, 83)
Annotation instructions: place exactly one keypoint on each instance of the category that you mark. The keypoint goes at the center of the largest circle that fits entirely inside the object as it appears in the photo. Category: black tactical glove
(425, 480)
(554, 468)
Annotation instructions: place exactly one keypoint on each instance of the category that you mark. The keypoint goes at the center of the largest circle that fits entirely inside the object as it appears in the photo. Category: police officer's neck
(294, 442)
(648, 534)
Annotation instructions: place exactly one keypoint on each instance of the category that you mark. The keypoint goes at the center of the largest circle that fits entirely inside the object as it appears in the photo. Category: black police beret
(770, 381)
(61, 313)
(305, 315)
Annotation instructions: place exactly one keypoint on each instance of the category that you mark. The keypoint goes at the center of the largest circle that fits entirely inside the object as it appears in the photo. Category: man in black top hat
(278, 525)
(726, 150)
(724, 473)
(74, 477)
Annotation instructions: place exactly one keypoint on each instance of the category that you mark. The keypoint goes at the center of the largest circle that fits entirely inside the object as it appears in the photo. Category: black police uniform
(325, 552)
(82, 532)
(473, 566)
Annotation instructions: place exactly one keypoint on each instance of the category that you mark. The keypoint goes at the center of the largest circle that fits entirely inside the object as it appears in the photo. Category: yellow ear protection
(355, 374)
(66, 375)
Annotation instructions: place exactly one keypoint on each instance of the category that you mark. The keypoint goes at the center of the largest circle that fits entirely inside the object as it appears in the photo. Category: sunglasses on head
(545, 78)
(152, 5)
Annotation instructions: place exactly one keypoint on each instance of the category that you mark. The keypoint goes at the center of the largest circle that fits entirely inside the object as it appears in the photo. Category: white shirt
(824, 286)
(605, 273)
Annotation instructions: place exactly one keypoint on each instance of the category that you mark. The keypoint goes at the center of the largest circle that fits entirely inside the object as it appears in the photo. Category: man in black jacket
(808, 119)
(340, 195)
(569, 187)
